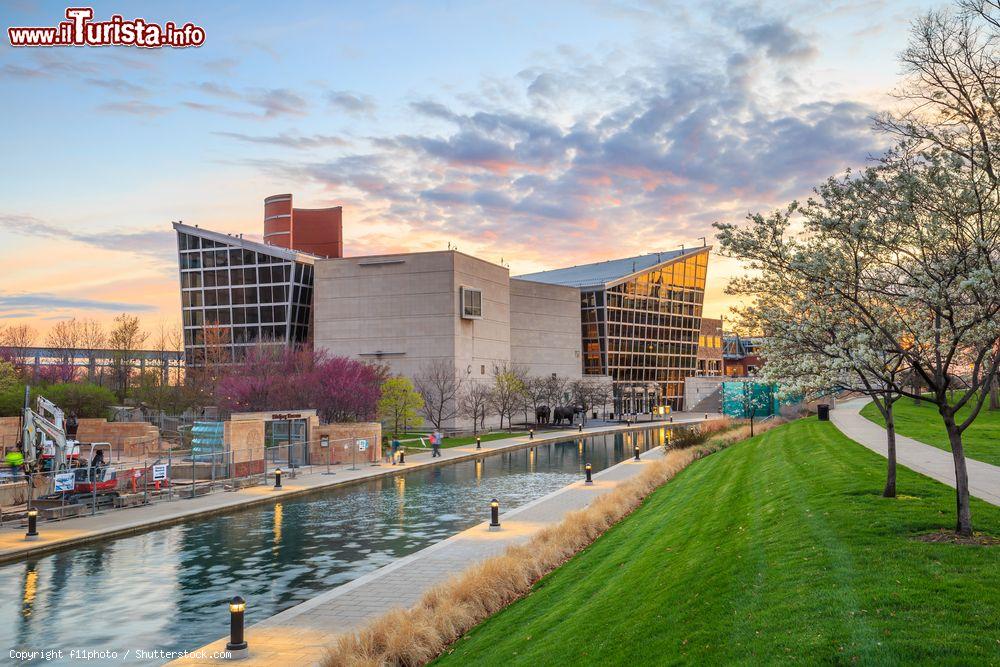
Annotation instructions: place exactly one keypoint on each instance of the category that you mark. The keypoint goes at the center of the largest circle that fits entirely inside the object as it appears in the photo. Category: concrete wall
(343, 442)
(545, 332)
(404, 311)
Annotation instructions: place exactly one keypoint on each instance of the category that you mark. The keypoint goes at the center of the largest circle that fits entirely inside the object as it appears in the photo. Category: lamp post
(531, 434)
(479, 442)
(494, 514)
(277, 478)
(636, 450)
(32, 533)
(237, 644)
(588, 468)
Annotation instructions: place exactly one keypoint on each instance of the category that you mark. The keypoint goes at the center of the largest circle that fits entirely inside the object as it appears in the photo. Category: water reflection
(167, 589)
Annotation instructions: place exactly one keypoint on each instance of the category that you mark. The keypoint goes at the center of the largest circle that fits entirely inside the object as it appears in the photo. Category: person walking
(436, 444)
(386, 450)
(395, 449)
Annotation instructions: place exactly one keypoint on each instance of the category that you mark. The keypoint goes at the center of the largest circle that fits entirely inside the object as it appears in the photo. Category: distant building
(710, 347)
(741, 355)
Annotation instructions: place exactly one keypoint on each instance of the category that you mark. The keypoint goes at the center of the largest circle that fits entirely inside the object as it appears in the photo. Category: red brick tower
(319, 231)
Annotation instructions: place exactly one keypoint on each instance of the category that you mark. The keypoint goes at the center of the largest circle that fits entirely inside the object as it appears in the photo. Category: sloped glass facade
(237, 294)
(643, 332)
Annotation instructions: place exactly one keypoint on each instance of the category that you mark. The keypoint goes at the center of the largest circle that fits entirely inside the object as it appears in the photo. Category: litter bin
(823, 411)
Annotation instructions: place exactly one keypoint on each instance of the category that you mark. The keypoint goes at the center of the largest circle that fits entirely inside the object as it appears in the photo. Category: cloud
(135, 108)
(356, 105)
(288, 140)
(779, 41)
(119, 86)
(269, 102)
(36, 303)
(159, 243)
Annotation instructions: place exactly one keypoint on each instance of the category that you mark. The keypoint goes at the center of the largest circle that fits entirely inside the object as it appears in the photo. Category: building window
(472, 303)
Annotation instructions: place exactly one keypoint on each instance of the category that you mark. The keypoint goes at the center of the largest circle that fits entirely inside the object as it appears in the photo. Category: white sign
(159, 472)
(324, 441)
(362, 445)
(64, 481)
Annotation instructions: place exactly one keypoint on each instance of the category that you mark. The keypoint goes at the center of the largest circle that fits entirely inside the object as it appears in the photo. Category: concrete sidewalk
(300, 635)
(984, 479)
(61, 534)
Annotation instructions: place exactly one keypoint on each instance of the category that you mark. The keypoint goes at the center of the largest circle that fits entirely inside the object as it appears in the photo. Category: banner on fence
(159, 472)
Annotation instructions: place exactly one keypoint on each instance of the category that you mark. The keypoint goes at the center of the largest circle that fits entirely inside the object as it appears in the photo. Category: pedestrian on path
(436, 444)
(386, 450)
(395, 449)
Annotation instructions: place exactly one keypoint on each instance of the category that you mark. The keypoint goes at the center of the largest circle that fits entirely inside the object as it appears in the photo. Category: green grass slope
(779, 549)
(922, 422)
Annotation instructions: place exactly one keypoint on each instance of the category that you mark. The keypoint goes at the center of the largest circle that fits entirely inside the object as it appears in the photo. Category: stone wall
(343, 439)
(545, 328)
(128, 439)
(245, 440)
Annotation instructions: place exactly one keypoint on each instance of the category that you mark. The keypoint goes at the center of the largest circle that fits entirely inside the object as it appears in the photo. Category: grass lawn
(776, 550)
(922, 422)
(460, 441)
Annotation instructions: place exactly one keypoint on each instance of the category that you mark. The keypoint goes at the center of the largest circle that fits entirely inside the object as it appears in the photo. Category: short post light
(588, 468)
(636, 450)
(277, 478)
(531, 434)
(479, 442)
(237, 644)
(494, 514)
(580, 428)
(706, 415)
(32, 533)
(402, 456)
(671, 420)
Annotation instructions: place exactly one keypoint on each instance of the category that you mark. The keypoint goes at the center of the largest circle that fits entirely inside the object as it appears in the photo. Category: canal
(166, 589)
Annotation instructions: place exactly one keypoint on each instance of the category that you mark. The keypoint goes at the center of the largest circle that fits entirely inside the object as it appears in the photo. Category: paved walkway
(61, 534)
(984, 479)
(301, 634)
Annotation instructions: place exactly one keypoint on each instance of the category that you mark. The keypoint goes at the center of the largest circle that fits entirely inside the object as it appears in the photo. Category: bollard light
(277, 478)
(580, 429)
(637, 451)
(402, 456)
(671, 420)
(494, 514)
(479, 442)
(32, 533)
(587, 468)
(237, 644)
(706, 415)
(531, 434)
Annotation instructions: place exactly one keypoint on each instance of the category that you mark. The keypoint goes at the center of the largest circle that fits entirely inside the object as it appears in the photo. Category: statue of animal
(542, 413)
(564, 412)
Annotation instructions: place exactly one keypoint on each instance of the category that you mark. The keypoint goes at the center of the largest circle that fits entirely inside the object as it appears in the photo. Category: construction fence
(171, 475)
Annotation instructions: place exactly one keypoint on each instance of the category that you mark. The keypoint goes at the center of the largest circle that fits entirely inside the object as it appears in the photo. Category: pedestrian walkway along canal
(166, 589)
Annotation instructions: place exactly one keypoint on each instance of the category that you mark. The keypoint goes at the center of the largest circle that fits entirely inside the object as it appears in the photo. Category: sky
(542, 134)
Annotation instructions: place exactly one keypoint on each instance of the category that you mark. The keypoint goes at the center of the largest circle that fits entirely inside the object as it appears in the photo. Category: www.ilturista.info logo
(80, 30)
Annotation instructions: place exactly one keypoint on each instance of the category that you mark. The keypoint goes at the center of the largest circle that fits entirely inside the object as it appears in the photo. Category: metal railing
(171, 475)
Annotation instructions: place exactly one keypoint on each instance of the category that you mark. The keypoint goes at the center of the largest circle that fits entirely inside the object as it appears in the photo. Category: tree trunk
(963, 525)
(995, 394)
(890, 444)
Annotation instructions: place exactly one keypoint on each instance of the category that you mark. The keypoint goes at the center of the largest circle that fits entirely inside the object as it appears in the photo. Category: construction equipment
(43, 438)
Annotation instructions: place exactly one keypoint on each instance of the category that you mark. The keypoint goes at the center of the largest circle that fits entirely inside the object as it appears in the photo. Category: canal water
(166, 589)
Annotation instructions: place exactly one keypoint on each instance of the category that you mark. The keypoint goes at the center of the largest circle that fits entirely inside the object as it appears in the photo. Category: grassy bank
(778, 549)
(922, 422)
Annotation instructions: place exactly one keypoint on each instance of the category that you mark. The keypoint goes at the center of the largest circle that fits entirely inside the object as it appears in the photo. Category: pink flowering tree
(275, 378)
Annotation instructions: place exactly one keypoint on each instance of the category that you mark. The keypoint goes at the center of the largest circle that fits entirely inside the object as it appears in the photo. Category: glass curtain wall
(233, 298)
(644, 334)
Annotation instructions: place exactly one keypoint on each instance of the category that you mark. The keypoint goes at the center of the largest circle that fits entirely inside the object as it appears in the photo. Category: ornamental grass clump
(415, 636)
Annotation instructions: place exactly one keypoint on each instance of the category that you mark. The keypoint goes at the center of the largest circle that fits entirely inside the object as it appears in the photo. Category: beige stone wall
(343, 441)
(128, 439)
(545, 332)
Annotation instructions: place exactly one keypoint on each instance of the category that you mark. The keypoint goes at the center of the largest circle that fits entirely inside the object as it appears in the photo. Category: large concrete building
(409, 310)
(634, 322)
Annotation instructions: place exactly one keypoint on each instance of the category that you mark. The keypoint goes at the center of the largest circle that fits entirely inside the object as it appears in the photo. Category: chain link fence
(175, 473)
